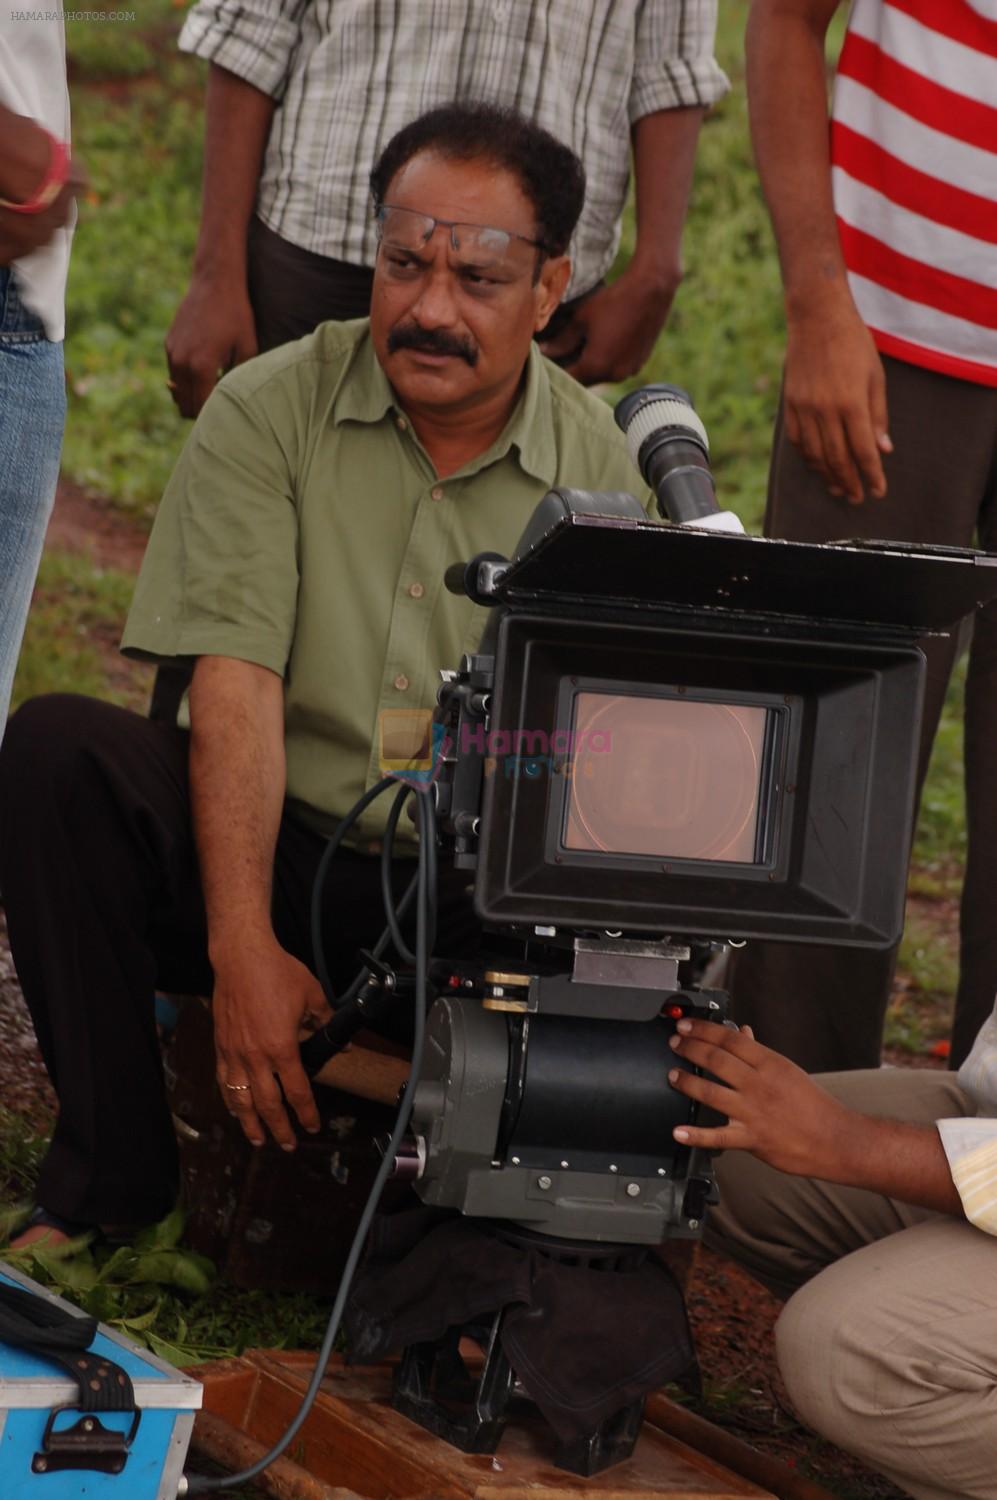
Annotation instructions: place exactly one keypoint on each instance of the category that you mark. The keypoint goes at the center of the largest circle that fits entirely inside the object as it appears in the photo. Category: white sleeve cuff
(971, 1148)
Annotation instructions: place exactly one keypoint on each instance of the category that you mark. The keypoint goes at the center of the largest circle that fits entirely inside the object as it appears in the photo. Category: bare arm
(835, 393)
(24, 152)
(24, 157)
(213, 328)
(620, 323)
(262, 994)
(781, 1115)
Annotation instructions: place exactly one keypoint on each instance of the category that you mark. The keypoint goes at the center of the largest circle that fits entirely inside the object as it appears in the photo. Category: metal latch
(86, 1445)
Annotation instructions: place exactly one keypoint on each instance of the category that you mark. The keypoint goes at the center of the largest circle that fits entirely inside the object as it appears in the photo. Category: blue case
(31, 1387)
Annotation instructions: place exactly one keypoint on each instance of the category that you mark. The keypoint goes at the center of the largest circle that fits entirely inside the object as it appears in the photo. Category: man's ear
(554, 275)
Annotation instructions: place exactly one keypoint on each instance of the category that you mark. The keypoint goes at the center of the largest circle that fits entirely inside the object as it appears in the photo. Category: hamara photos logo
(412, 747)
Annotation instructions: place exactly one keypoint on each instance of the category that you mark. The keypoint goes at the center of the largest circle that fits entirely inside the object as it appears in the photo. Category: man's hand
(834, 399)
(213, 330)
(774, 1109)
(20, 234)
(214, 327)
(263, 998)
(612, 334)
(782, 1115)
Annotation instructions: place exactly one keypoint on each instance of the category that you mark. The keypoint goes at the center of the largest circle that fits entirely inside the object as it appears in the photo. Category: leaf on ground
(119, 1266)
(68, 1266)
(138, 1323)
(181, 1268)
(162, 1236)
(12, 1216)
(170, 1352)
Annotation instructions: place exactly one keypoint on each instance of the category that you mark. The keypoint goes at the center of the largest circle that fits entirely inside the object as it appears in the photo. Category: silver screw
(614, 1169)
(633, 1189)
(40, 1465)
(564, 1164)
(662, 1172)
(515, 1161)
(693, 1223)
(543, 1183)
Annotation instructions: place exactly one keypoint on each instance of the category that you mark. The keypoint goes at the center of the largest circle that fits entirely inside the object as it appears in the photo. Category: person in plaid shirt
(302, 98)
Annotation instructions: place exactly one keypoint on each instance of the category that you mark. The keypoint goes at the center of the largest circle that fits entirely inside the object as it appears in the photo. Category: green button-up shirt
(305, 529)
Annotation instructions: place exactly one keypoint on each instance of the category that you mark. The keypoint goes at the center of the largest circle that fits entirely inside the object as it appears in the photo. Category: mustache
(432, 341)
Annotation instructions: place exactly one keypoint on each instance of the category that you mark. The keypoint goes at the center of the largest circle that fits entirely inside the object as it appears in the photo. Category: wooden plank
(234, 1450)
(704, 1436)
(356, 1439)
(229, 1387)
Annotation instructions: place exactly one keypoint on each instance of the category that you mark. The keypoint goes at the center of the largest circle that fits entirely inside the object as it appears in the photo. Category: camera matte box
(818, 642)
(31, 1388)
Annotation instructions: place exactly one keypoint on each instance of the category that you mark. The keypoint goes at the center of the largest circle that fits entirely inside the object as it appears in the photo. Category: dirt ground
(732, 1317)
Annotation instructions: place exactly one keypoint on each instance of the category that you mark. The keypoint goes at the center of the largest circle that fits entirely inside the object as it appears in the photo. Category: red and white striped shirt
(914, 168)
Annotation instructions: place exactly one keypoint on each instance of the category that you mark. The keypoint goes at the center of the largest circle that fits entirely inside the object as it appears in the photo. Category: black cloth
(99, 875)
(583, 1342)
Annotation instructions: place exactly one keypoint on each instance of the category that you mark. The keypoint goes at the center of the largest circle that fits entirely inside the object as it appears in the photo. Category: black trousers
(825, 1006)
(100, 880)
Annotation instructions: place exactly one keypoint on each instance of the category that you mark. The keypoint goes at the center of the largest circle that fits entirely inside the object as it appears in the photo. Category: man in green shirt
(297, 559)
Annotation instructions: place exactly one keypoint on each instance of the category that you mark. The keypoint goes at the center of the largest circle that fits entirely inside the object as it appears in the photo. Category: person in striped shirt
(869, 1200)
(302, 97)
(887, 236)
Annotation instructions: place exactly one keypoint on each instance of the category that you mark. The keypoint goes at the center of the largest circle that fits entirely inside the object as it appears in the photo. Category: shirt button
(416, 590)
(401, 682)
(402, 424)
(436, 493)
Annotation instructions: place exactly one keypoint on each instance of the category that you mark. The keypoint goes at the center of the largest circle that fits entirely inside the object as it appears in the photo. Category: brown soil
(88, 525)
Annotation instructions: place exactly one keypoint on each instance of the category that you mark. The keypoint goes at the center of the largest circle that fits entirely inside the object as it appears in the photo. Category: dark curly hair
(550, 173)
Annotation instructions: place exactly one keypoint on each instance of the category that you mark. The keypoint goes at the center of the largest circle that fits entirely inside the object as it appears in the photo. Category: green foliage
(940, 845)
(162, 1296)
(104, 50)
(724, 338)
(21, 1152)
(77, 605)
(138, 223)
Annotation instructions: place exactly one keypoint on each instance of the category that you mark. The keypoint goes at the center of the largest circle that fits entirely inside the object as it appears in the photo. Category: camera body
(667, 736)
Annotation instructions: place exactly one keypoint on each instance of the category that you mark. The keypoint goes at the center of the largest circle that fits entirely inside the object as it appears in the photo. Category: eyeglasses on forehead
(408, 229)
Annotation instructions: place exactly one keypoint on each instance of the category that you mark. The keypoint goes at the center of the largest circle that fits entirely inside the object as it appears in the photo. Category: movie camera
(670, 735)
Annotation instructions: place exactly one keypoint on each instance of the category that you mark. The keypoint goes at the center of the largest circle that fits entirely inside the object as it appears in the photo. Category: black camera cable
(200, 1484)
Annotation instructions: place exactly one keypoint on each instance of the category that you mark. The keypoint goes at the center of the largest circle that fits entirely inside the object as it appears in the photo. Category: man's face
(452, 327)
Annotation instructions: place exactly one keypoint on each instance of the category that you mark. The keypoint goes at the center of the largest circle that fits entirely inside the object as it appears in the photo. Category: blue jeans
(32, 417)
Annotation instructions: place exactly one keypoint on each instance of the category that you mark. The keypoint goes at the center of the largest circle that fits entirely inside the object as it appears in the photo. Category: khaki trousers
(888, 1343)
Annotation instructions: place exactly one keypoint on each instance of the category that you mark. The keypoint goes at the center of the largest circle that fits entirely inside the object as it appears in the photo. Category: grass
(140, 140)
(76, 618)
(724, 338)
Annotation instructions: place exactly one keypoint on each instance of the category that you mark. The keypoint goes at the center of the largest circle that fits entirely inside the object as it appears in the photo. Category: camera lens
(672, 777)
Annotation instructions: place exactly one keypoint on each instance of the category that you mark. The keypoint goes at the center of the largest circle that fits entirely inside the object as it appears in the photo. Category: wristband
(51, 185)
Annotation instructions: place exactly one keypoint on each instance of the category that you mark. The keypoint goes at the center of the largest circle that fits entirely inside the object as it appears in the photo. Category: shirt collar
(365, 395)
